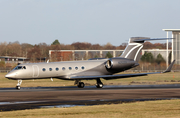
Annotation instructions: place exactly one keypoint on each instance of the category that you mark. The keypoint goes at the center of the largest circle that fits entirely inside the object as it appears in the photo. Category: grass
(147, 109)
(166, 78)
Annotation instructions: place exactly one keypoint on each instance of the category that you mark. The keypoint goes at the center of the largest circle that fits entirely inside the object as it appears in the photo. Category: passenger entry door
(35, 71)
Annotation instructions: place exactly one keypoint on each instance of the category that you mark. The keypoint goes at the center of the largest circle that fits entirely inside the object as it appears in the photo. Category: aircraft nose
(10, 75)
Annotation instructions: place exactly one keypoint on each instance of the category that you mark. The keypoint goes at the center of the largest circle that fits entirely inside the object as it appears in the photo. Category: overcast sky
(93, 21)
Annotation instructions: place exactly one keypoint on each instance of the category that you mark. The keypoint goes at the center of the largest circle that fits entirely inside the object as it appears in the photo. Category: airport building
(175, 44)
(11, 59)
(71, 55)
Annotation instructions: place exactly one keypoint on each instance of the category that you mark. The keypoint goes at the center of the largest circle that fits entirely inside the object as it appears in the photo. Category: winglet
(170, 67)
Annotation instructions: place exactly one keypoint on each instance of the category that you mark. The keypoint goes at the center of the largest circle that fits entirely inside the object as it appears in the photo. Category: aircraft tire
(18, 87)
(81, 85)
(99, 85)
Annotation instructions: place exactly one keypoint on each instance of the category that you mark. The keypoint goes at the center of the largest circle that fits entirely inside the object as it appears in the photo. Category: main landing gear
(80, 84)
(99, 84)
(18, 84)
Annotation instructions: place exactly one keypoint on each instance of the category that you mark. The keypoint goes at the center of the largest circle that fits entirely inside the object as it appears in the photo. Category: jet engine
(109, 64)
(119, 64)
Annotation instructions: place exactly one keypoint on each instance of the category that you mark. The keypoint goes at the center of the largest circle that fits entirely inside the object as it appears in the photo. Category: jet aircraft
(96, 68)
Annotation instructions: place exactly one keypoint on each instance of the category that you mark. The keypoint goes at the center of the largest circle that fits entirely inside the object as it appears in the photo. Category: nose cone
(10, 75)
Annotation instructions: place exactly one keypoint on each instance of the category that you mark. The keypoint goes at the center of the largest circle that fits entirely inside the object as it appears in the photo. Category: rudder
(133, 49)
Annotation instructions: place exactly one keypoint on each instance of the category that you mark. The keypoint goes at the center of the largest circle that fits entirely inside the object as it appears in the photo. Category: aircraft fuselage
(68, 69)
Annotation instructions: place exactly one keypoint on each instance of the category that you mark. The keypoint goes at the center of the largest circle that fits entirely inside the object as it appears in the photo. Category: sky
(93, 21)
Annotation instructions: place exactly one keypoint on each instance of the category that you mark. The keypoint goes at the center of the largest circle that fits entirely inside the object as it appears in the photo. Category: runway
(27, 98)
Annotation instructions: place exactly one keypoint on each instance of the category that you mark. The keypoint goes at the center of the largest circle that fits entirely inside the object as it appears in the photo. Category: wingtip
(170, 67)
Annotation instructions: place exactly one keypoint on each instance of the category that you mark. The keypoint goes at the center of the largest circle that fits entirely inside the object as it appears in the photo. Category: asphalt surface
(36, 97)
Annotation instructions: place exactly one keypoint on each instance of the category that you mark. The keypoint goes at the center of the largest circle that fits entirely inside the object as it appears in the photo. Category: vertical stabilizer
(133, 49)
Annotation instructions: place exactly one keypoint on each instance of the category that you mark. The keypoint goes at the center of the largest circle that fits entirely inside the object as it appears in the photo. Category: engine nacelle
(109, 64)
(119, 64)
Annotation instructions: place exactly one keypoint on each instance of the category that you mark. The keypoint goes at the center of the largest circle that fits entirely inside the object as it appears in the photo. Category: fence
(4, 71)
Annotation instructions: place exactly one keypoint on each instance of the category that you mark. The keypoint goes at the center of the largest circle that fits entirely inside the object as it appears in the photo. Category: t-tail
(134, 47)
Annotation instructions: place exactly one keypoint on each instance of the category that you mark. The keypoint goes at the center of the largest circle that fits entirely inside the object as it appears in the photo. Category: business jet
(96, 68)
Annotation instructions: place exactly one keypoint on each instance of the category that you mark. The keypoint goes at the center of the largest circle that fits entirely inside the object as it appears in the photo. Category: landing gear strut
(99, 84)
(79, 84)
(18, 84)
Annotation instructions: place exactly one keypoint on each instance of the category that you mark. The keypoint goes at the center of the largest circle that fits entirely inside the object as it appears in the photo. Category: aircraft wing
(107, 77)
(118, 76)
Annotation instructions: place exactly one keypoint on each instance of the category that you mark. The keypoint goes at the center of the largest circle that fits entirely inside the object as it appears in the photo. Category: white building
(175, 44)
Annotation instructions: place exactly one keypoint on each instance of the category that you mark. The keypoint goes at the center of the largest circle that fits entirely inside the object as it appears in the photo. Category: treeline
(41, 50)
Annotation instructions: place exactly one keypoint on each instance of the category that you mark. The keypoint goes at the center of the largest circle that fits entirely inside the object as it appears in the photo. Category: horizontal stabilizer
(142, 40)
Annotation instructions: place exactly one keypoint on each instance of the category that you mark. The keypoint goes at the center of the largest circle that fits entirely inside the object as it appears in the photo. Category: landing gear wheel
(18, 87)
(81, 85)
(18, 84)
(99, 85)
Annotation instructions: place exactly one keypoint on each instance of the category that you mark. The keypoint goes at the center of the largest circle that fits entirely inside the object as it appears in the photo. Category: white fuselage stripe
(138, 52)
(137, 45)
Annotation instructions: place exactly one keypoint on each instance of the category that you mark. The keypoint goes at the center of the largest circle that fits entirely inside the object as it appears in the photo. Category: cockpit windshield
(19, 67)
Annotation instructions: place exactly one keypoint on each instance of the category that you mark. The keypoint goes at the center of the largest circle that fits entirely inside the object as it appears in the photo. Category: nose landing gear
(18, 84)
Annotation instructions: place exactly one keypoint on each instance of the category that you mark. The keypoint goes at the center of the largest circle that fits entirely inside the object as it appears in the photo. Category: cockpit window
(19, 67)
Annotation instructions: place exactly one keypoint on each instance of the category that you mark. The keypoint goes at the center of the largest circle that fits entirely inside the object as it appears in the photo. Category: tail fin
(134, 48)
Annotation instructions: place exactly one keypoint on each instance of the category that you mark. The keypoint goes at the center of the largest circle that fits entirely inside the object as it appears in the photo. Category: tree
(3, 49)
(147, 57)
(109, 46)
(159, 59)
(81, 46)
(34, 53)
(96, 56)
(56, 42)
(109, 55)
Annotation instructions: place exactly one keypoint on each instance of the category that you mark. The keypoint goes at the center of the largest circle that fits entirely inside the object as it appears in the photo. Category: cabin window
(82, 67)
(43, 69)
(70, 68)
(76, 67)
(57, 69)
(50, 69)
(63, 68)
